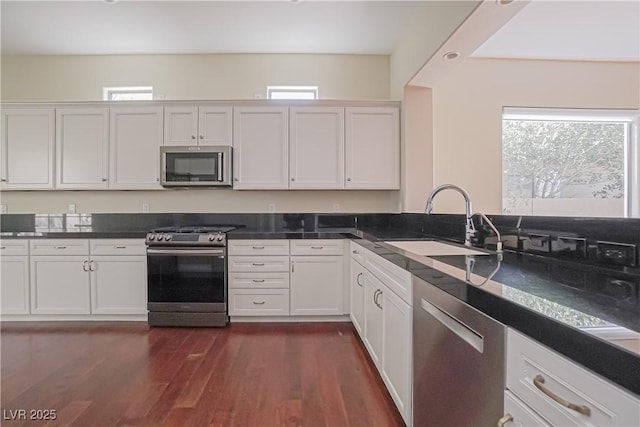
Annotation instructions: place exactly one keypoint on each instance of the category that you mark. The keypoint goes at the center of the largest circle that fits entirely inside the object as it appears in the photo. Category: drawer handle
(356, 252)
(257, 247)
(539, 380)
(3, 247)
(317, 247)
(259, 302)
(258, 280)
(60, 247)
(258, 264)
(506, 419)
(120, 247)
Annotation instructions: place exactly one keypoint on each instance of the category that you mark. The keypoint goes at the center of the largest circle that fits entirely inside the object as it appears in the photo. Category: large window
(570, 162)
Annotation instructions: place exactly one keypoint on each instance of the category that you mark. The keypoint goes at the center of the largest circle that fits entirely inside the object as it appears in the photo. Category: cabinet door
(260, 148)
(135, 138)
(215, 126)
(372, 148)
(82, 148)
(180, 125)
(316, 148)
(396, 353)
(373, 318)
(60, 285)
(14, 285)
(27, 148)
(316, 285)
(118, 284)
(356, 300)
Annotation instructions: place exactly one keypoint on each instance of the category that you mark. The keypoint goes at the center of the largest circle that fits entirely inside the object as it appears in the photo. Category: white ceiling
(602, 30)
(148, 27)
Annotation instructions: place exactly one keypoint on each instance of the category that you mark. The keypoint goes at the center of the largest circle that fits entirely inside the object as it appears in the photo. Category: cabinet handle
(506, 419)
(293, 179)
(104, 179)
(375, 296)
(258, 264)
(3, 180)
(84, 265)
(356, 252)
(201, 137)
(358, 279)
(235, 179)
(92, 265)
(258, 302)
(379, 303)
(317, 247)
(349, 179)
(193, 137)
(257, 247)
(120, 247)
(60, 247)
(258, 280)
(539, 380)
(3, 247)
(292, 267)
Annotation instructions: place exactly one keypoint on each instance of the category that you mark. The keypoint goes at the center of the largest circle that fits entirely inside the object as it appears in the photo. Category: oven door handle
(185, 252)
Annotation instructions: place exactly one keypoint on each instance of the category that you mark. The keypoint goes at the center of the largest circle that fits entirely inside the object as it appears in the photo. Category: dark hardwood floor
(249, 374)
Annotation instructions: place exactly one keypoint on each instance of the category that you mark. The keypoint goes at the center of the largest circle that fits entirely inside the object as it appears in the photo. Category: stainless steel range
(187, 276)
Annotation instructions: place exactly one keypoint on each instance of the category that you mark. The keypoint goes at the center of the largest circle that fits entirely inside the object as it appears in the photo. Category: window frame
(109, 91)
(631, 118)
(293, 89)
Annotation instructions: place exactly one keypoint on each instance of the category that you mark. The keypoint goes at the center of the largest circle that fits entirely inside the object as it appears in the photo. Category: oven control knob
(151, 237)
(220, 237)
(167, 237)
(211, 237)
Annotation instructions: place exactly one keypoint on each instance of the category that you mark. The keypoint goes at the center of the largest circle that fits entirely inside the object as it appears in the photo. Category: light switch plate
(72, 208)
(145, 208)
(271, 207)
(3, 209)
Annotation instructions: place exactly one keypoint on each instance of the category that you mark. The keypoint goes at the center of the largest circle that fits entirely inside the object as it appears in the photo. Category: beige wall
(467, 106)
(427, 30)
(219, 76)
(81, 78)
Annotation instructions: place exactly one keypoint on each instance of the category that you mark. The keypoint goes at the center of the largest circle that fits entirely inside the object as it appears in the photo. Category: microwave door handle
(220, 167)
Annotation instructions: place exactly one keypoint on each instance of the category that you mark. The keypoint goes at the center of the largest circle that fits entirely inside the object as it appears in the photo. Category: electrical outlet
(3, 209)
(617, 253)
(271, 207)
(257, 96)
(145, 208)
(72, 208)
(336, 207)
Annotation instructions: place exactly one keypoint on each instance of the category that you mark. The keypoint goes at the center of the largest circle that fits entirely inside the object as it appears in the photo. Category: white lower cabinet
(561, 392)
(14, 277)
(66, 278)
(356, 295)
(316, 285)
(259, 302)
(385, 320)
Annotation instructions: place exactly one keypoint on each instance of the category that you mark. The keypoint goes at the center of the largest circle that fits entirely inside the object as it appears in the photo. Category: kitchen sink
(433, 248)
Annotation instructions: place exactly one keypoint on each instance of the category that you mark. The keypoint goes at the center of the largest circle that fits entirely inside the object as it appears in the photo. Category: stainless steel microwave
(195, 166)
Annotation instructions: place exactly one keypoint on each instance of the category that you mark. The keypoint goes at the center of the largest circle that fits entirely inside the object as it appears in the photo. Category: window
(570, 162)
(292, 92)
(130, 93)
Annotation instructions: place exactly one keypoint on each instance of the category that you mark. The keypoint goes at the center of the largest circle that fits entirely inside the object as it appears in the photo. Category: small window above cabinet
(198, 125)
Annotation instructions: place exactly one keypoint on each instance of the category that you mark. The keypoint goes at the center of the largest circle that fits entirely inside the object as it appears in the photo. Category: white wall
(219, 76)
(467, 115)
(184, 77)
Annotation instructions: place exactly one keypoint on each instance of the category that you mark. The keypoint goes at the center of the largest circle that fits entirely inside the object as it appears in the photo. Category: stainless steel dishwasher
(458, 361)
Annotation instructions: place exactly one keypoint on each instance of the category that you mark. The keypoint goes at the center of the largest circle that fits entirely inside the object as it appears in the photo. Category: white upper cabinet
(82, 148)
(135, 138)
(372, 148)
(261, 148)
(27, 148)
(192, 125)
(316, 148)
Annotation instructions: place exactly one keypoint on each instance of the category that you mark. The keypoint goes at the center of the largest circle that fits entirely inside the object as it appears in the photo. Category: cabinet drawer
(118, 247)
(528, 360)
(14, 247)
(243, 264)
(521, 415)
(258, 302)
(259, 280)
(395, 278)
(317, 247)
(357, 252)
(59, 247)
(258, 247)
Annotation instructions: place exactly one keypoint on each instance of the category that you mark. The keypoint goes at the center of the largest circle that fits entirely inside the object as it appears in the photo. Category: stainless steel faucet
(470, 229)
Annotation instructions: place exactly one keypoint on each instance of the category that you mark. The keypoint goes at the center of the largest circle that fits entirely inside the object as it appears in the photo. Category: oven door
(187, 279)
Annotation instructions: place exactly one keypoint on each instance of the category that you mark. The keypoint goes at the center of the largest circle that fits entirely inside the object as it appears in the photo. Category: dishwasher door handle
(454, 325)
